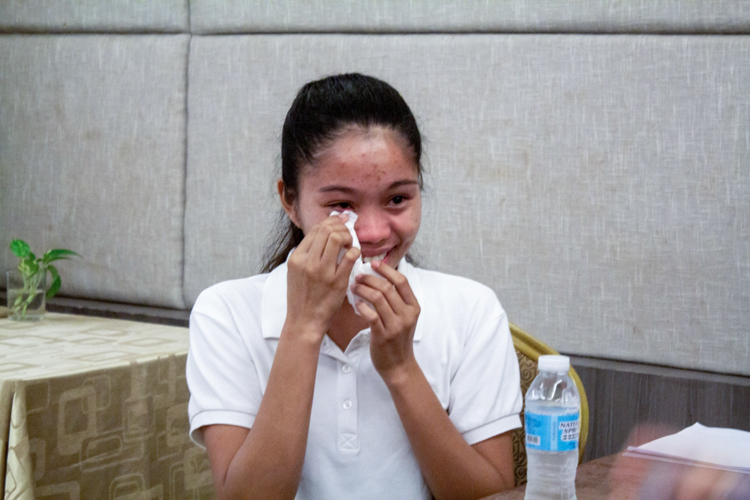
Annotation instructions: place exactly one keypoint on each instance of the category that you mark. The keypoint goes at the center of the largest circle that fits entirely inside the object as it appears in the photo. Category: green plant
(33, 269)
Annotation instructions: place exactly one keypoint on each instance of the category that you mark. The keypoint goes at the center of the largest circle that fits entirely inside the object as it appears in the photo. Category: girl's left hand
(392, 321)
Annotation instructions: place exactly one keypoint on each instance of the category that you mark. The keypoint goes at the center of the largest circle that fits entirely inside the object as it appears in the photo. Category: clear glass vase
(26, 296)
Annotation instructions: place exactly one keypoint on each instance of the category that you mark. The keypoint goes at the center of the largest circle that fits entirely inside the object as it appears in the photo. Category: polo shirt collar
(273, 309)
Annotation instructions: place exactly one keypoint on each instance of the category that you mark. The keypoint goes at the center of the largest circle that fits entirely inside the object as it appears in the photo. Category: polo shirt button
(347, 404)
(346, 368)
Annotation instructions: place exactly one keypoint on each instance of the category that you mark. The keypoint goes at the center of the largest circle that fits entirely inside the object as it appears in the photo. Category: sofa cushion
(597, 183)
(92, 158)
(590, 16)
(79, 16)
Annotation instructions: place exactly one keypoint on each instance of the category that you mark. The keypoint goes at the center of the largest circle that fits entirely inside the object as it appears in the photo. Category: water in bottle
(552, 419)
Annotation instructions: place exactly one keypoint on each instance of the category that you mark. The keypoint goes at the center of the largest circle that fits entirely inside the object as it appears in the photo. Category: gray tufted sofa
(588, 159)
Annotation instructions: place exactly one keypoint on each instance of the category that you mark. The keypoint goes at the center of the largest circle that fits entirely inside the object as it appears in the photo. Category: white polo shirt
(357, 446)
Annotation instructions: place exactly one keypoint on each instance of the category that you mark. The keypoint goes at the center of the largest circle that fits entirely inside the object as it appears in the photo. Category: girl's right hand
(316, 281)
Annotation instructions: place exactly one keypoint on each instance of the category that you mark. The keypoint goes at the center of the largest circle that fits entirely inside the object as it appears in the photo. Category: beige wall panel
(92, 15)
(598, 183)
(597, 16)
(92, 158)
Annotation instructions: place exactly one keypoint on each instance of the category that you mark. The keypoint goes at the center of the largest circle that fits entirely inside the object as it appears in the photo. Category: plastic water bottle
(552, 419)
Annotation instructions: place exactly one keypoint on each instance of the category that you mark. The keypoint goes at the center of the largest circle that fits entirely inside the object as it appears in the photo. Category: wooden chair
(528, 350)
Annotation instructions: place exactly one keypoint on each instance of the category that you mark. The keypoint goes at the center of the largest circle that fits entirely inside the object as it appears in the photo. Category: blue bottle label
(552, 432)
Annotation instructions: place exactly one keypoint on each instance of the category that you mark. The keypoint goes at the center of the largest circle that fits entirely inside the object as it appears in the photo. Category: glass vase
(26, 295)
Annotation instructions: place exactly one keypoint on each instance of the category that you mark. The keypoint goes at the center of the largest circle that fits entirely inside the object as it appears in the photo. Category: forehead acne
(373, 154)
(368, 150)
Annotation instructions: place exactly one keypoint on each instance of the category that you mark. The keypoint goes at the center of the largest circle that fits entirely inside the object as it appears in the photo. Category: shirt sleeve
(224, 385)
(486, 395)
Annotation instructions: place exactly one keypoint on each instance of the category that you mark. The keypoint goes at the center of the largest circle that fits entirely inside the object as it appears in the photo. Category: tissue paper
(360, 267)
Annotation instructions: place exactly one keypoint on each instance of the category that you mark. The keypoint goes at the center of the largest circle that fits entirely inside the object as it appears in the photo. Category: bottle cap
(554, 363)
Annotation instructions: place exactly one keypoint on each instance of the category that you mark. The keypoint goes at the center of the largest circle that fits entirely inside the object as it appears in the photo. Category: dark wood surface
(618, 477)
(592, 481)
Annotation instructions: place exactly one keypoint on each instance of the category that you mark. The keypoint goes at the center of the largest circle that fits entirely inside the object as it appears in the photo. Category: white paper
(360, 267)
(716, 447)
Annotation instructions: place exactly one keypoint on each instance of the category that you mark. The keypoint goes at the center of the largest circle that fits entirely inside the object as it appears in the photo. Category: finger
(379, 283)
(387, 308)
(344, 268)
(370, 315)
(336, 223)
(372, 287)
(375, 290)
(343, 217)
(323, 231)
(398, 280)
(339, 216)
(339, 240)
(319, 239)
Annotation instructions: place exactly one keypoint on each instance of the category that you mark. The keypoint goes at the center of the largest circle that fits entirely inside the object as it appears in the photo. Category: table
(592, 481)
(618, 477)
(96, 408)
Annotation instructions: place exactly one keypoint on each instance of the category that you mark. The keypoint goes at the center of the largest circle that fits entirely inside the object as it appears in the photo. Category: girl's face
(371, 173)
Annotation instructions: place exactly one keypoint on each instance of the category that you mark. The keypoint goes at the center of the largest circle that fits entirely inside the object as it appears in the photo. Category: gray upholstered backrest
(92, 158)
(588, 160)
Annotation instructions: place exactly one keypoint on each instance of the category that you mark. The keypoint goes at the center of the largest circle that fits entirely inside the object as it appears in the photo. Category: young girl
(293, 391)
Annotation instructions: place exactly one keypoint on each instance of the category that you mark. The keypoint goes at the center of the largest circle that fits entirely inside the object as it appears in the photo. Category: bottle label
(552, 432)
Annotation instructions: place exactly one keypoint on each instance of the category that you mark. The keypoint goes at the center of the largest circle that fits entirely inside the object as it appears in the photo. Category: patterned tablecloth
(96, 408)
